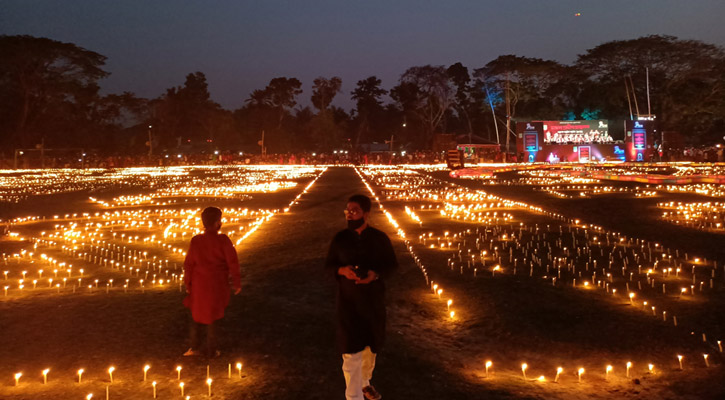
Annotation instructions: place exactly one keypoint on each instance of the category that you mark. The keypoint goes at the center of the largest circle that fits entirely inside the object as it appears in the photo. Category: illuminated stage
(585, 141)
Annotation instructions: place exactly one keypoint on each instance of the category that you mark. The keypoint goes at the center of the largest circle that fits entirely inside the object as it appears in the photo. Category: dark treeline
(49, 93)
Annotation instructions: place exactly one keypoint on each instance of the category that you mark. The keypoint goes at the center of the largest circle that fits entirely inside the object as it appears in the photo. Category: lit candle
(707, 363)
(239, 369)
(181, 386)
(679, 359)
(110, 373)
(523, 369)
(651, 368)
(208, 383)
(580, 373)
(629, 365)
(45, 375)
(17, 378)
(488, 365)
(154, 386)
(178, 373)
(449, 304)
(558, 372)
(145, 370)
(607, 371)
(89, 396)
(80, 375)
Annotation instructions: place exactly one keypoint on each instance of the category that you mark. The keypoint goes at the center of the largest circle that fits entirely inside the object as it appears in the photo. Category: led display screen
(531, 141)
(576, 132)
(584, 153)
(639, 136)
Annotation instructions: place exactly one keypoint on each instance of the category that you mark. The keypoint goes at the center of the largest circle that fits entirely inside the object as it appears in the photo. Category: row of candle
(146, 368)
(110, 371)
(608, 370)
(408, 244)
(701, 215)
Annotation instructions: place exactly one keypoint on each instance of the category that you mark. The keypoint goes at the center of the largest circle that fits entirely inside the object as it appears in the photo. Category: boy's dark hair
(362, 200)
(210, 216)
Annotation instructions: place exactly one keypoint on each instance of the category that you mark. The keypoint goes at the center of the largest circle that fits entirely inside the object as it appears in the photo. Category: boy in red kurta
(210, 262)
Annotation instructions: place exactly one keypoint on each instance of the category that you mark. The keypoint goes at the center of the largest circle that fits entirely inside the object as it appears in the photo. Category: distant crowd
(90, 160)
(219, 158)
(697, 154)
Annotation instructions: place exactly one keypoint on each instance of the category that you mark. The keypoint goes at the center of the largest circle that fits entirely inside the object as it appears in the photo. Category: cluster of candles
(574, 181)
(16, 186)
(122, 240)
(704, 189)
(585, 256)
(194, 181)
(179, 384)
(703, 215)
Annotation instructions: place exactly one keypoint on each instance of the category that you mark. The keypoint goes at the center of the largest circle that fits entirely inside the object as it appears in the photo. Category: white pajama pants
(358, 370)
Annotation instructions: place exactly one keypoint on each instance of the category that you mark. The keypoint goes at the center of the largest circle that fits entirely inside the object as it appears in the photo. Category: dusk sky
(240, 45)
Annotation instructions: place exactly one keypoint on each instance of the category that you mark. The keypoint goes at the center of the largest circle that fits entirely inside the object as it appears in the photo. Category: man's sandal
(371, 394)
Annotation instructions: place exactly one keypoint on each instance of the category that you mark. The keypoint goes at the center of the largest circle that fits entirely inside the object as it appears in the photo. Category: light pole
(17, 153)
(151, 142)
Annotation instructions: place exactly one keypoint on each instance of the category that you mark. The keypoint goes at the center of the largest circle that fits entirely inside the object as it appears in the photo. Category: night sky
(240, 45)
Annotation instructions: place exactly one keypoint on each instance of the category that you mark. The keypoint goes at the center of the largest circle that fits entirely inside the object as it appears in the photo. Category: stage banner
(577, 132)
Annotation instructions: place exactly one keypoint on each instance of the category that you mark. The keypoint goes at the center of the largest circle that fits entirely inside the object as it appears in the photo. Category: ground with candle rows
(511, 286)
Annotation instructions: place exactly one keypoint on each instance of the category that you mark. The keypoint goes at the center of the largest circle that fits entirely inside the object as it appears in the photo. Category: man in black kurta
(360, 258)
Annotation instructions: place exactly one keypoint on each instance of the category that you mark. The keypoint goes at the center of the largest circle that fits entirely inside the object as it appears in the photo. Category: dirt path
(284, 320)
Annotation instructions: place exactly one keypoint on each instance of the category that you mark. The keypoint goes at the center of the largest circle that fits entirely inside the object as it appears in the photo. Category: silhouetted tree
(686, 80)
(280, 94)
(324, 130)
(324, 90)
(367, 96)
(46, 89)
(185, 114)
(427, 92)
(464, 103)
(514, 82)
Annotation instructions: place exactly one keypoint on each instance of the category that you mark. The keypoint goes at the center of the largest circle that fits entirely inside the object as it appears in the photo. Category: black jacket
(361, 307)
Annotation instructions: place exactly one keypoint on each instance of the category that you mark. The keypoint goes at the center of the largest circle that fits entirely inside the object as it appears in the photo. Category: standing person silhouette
(210, 263)
(360, 258)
